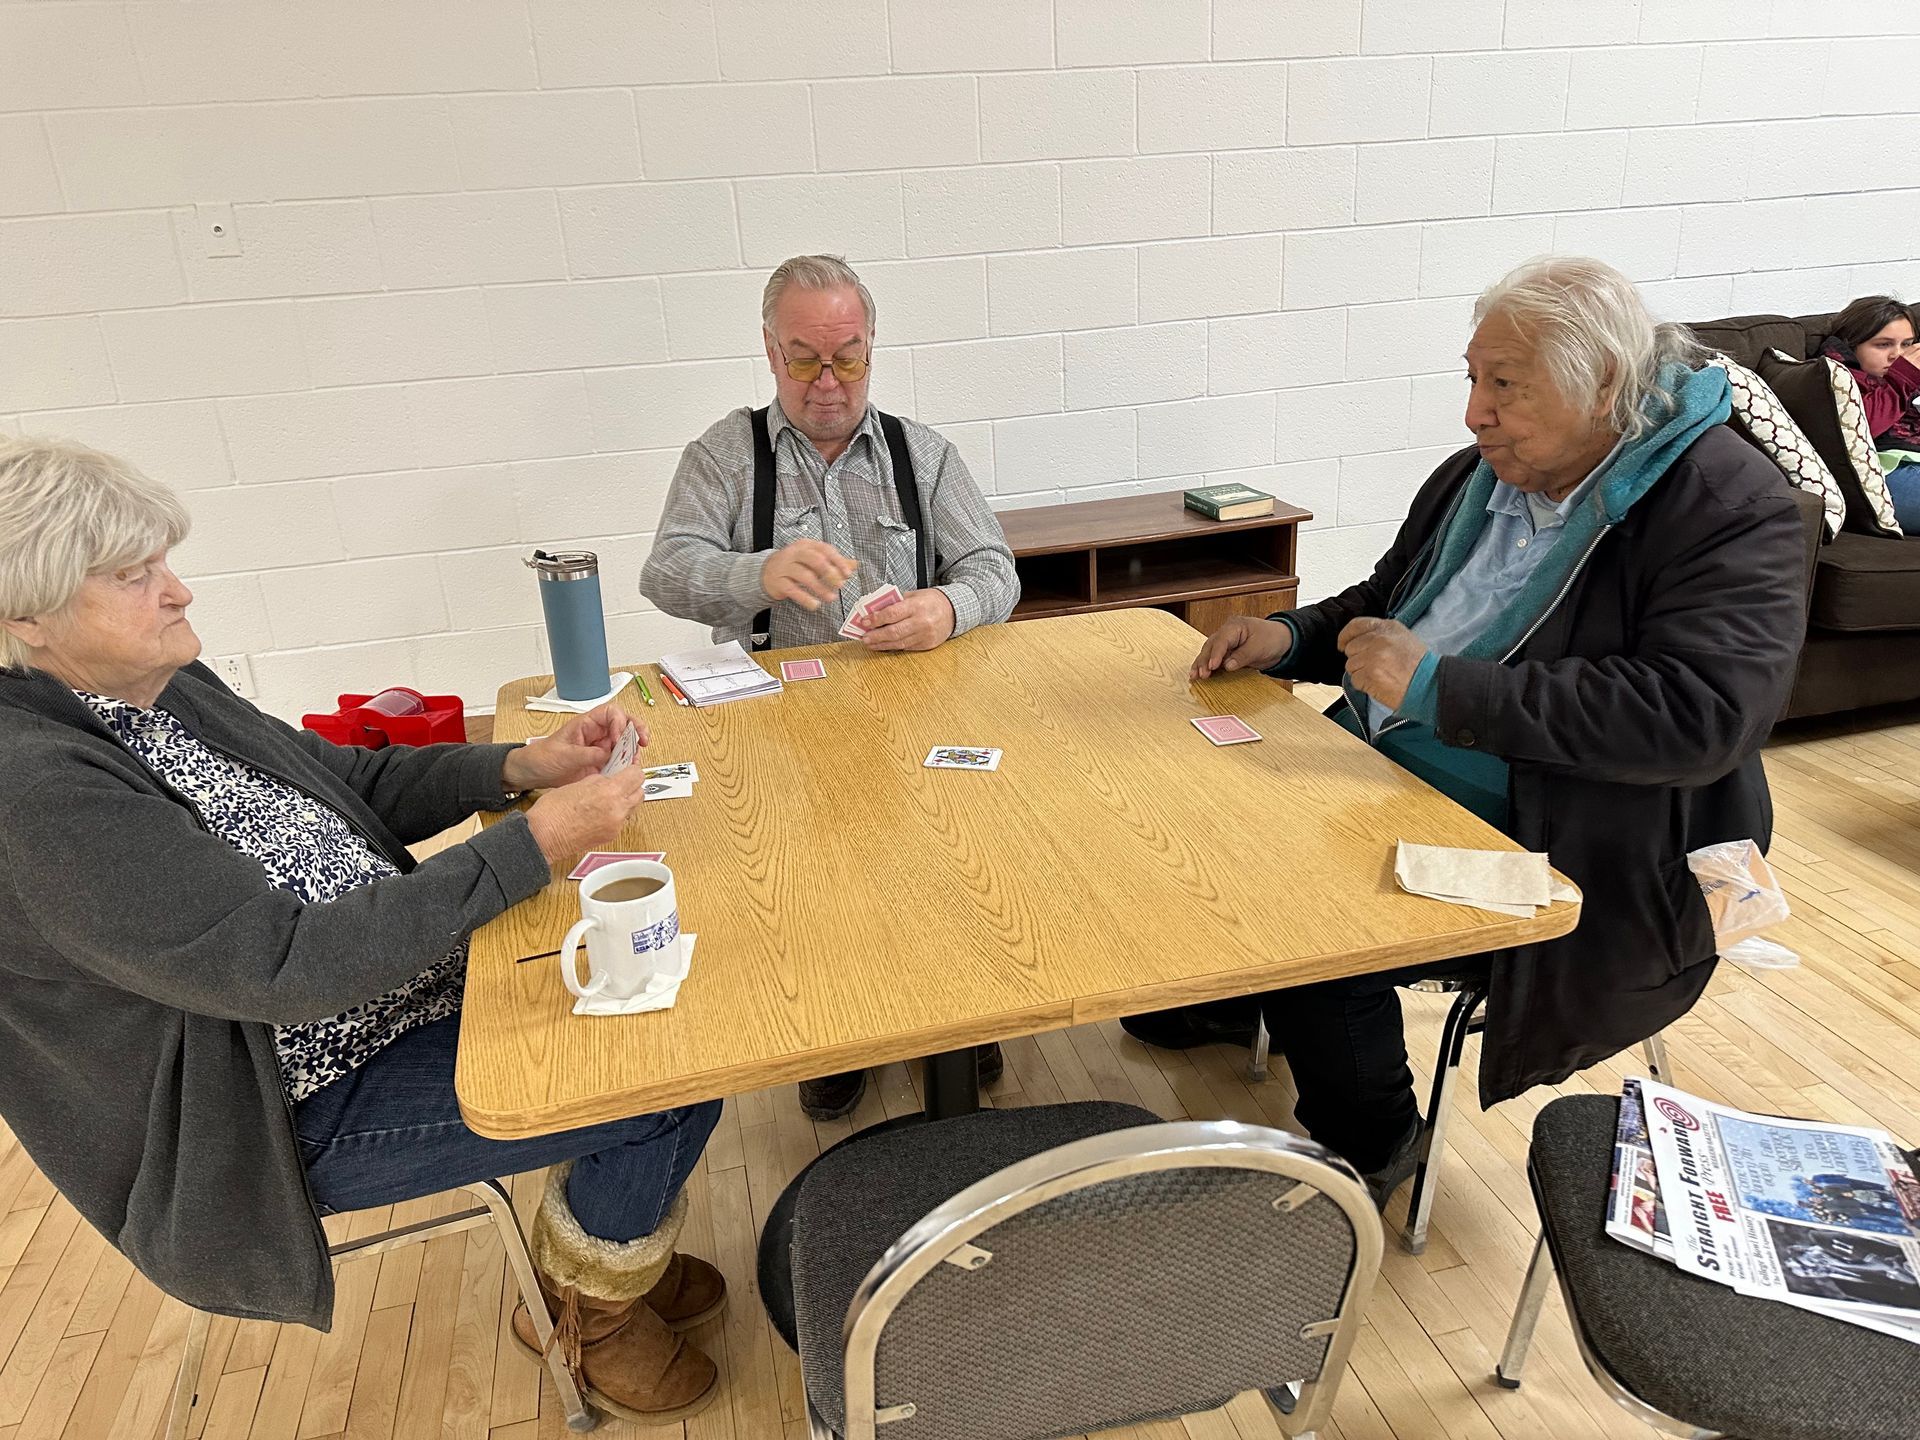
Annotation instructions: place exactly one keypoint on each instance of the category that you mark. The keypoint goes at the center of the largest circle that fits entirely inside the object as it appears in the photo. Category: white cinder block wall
(499, 260)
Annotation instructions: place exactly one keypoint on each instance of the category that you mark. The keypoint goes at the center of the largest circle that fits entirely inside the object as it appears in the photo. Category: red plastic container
(398, 716)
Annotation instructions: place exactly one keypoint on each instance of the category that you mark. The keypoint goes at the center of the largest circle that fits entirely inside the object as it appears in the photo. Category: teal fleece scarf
(1474, 778)
(1702, 399)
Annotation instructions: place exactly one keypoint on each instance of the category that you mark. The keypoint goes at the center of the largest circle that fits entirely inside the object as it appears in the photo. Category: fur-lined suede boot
(623, 1355)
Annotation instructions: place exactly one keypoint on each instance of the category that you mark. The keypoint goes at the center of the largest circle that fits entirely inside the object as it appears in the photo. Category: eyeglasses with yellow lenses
(846, 368)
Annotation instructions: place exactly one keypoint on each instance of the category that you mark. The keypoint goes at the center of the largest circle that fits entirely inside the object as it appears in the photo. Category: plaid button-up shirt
(703, 565)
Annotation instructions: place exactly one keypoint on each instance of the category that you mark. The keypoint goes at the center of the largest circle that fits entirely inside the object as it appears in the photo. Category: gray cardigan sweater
(144, 961)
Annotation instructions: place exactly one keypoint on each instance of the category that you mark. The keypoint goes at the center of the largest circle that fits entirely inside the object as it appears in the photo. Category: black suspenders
(763, 489)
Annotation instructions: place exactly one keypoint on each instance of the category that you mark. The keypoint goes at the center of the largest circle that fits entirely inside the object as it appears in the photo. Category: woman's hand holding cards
(587, 815)
(576, 750)
(1243, 643)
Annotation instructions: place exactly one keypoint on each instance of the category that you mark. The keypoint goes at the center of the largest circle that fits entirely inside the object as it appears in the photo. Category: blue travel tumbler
(576, 630)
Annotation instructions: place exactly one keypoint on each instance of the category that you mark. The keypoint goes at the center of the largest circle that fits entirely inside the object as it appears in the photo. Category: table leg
(950, 1086)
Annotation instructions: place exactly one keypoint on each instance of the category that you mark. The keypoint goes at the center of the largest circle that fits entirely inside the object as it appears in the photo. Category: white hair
(1594, 335)
(812, 272)
(67, 512)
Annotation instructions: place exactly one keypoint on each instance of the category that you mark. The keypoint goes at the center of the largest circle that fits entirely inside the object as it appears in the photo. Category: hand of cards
(664, 782)
(861, 620)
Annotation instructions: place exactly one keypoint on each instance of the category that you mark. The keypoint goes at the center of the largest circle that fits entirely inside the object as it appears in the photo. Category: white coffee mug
(628, 939)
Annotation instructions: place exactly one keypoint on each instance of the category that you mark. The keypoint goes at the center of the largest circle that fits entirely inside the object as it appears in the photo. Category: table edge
(521, 1124)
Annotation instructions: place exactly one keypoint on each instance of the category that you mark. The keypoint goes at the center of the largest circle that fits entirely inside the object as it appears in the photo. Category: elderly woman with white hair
(1583, 632)
(230, 998)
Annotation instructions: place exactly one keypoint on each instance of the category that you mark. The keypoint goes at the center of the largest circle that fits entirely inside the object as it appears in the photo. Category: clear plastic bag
(1743, 898)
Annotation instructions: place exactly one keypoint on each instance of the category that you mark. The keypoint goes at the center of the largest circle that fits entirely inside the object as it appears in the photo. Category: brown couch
(1863, 622)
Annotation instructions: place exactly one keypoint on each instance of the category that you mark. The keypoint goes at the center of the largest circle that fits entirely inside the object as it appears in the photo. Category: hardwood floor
(88, 1349)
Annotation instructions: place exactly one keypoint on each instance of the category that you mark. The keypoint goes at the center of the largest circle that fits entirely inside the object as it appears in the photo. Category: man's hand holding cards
(918, 621)
(859, 619)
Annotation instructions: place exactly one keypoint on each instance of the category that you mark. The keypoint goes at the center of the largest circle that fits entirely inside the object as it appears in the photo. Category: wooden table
(854, 908)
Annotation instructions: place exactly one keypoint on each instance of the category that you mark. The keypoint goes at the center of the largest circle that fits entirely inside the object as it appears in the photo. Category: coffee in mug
(635, 889)
(631, 924)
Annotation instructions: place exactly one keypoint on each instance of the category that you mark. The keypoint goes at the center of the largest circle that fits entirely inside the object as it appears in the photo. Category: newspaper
(1823, 1217)
(1634, 1212)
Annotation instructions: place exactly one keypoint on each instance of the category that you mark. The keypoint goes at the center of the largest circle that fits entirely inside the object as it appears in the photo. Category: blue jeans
(392, 1131)
(1903, 484)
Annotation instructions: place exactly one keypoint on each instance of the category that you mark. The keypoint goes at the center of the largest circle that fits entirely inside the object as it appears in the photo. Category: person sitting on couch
(1878, 339)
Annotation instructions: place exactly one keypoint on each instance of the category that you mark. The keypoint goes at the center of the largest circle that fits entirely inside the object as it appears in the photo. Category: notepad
(718, 674)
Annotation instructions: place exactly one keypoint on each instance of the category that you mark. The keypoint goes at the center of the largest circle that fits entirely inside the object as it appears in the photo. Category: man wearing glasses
(779, 520)
(849, 499)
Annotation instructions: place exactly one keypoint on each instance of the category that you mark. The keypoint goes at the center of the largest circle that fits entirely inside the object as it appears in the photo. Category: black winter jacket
(1631, 721)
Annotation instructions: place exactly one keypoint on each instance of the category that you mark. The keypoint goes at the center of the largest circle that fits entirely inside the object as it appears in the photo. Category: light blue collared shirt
(1522, 530)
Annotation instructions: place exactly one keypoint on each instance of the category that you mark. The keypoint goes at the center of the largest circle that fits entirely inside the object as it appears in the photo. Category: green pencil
(641, 681)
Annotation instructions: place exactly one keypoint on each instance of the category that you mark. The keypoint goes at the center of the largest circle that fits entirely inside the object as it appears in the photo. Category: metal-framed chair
(1466, 1016)
(1140, 1271)
(495, 1209)
(1679, 1352)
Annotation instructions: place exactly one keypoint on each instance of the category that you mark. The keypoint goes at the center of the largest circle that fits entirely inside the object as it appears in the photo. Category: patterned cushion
(1830, 415)
(1860, 447)
(1763, 420)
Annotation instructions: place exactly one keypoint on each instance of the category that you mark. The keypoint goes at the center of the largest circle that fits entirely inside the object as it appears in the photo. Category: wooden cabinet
(1151, 550)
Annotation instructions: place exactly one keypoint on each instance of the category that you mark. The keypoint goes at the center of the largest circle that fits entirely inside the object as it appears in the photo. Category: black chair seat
(1694, 1349)
(862, 1195)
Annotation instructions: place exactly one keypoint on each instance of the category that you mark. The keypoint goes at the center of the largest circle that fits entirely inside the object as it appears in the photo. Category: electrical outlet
(236, 671)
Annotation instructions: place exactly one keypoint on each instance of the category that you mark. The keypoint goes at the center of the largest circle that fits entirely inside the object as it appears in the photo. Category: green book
(1230, 502)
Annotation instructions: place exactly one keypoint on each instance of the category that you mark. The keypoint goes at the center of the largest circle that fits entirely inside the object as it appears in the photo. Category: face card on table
(962, 757)
(594, 859)
(667, 790)
(1226, 729)
(678, 770)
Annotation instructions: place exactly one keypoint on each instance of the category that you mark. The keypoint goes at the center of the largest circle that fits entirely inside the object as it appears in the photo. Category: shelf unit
(1150, 550)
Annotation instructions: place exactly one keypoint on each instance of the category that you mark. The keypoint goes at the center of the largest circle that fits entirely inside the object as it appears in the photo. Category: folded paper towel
(1509, 882)
(661, 990)
(552, 701)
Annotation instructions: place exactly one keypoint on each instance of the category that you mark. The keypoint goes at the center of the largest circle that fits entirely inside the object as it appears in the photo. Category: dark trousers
(392, 1131)
(1347, 1048)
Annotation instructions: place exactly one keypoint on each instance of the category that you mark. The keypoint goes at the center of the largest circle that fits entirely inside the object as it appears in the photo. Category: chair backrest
(1143, 1273)
(1745, 338)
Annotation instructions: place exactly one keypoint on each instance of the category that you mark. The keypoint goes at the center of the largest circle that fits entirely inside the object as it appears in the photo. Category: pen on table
(673, 689)
(641, 681)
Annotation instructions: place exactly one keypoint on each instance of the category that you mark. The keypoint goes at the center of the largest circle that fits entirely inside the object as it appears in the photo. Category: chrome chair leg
(1654, 1047)
(1463, 1018)
(580, 1416)
(1526, 1315)
(186, 1384)
(1257, 1056)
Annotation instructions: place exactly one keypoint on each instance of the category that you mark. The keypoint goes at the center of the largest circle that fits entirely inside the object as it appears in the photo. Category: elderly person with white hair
(1583, 632)
(230, 997)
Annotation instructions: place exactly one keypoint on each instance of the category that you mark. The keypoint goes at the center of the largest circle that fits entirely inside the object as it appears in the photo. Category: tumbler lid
(564, 564)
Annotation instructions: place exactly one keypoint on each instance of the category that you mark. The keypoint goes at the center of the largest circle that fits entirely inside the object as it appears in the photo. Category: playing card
(802, 670)
(624, 749)
(667, 790)
(1226, 729)
(860, 620)
(594, 859)
(962, 757)
(679, 770)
